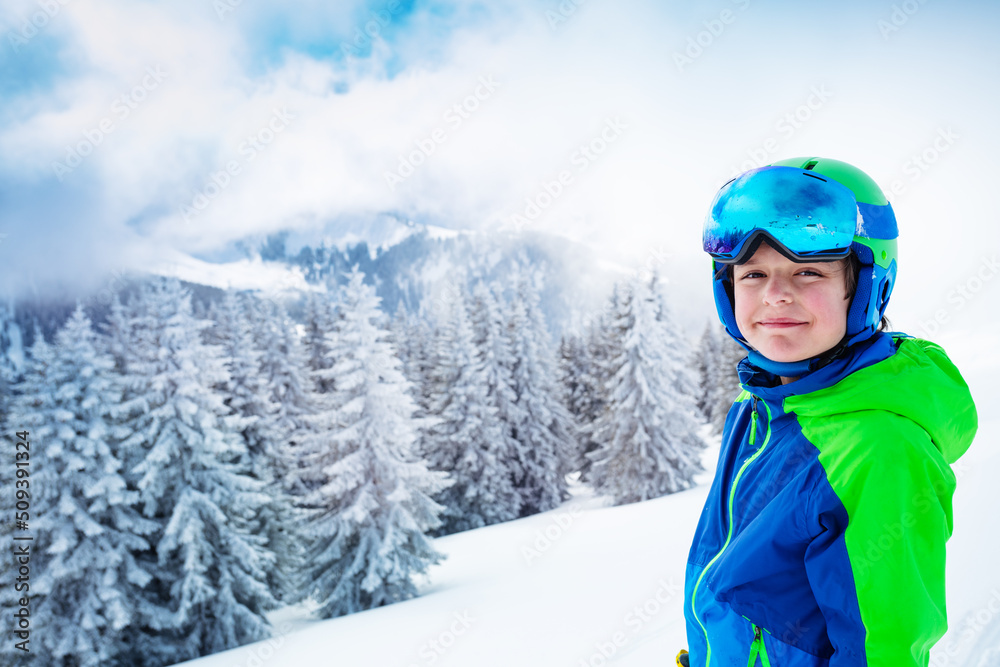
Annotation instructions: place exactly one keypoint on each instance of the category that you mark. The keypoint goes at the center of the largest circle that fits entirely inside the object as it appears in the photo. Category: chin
(787, 358)
(783, 353)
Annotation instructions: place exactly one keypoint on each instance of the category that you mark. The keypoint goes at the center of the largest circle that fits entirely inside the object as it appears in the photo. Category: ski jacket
(822, 540)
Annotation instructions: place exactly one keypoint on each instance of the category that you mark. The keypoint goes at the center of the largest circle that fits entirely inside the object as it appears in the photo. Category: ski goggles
(809, 216)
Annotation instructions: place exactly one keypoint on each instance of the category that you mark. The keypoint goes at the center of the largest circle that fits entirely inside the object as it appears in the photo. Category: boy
(822, 540)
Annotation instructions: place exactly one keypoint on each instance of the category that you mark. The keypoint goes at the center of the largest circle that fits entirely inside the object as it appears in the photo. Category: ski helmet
(808, 209)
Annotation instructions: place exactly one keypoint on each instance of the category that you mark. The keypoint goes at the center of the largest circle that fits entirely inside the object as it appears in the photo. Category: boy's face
(789, 311)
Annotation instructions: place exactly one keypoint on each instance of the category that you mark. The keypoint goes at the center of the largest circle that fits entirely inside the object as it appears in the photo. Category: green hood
(919, 382)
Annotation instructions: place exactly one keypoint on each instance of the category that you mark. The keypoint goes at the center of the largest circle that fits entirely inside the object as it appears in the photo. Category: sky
(136, 132)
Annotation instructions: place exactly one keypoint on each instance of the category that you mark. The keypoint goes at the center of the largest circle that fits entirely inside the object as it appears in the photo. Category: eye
(809, 272)
(752, 274)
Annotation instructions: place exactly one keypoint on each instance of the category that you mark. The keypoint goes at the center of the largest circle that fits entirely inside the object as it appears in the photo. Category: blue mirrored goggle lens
(810, 215)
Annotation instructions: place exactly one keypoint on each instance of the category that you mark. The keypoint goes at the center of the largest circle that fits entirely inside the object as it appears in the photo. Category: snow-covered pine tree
(209, 591)
(320, 322)
(11, 347)
(466, 439)
(117, 335)
(11, 361)
(88, 530)
(683, 374)
(545, 431)
(284, 368)
(706, 360)
(648, 438)
(580, 394)
(285, 379)
(247, 393)
(398, 336)
(17, 649)
(601, 347)
(416, 354)
(724, 384)
(375, 505)
(243, 390)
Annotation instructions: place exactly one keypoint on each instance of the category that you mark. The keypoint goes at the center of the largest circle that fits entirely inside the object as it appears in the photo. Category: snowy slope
(545, 590)
(594, 585)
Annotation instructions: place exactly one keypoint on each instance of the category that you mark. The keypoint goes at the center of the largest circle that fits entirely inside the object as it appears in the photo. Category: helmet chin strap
(796, 369)
(781, 368)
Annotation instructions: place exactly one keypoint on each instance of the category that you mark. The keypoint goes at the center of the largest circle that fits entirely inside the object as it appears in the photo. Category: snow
(543, 590)
(436, 232)
(559, 588)
(271, 278)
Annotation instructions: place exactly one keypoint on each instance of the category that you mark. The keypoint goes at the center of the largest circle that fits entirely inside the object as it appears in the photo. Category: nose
(777, 290)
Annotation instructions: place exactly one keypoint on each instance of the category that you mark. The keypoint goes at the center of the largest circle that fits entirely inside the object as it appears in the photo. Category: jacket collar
(767, 386)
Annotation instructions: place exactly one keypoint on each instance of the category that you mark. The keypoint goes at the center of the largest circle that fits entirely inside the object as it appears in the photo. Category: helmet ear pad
(874, 286)
(725, 301)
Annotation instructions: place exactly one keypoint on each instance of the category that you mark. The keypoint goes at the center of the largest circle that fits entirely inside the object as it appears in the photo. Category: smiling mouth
(780, 324)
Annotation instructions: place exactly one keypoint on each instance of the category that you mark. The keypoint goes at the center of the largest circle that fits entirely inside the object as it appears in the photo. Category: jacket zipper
(729, 534)
(758, 648)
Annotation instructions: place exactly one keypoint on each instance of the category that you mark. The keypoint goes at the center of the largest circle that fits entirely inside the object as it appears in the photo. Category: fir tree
(88, 529)
(580, 395)
(717, 358)
(374, 506)
(544, 432)
(247, 391)
(649, 444)
(600, 350)
(209, 590)
(494, 349)
(319, 323)
(285, 371)
(20, 432)
(706, 361)
(466, 441)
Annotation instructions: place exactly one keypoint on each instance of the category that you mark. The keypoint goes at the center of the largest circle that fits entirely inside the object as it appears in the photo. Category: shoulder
(873, 438)
(913, 398)
(875, 456)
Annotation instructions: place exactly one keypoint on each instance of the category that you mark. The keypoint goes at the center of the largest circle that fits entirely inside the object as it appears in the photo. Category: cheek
(742, 306)
(831, 306)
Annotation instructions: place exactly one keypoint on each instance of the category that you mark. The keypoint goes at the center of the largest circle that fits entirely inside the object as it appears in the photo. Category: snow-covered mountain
(416, 265)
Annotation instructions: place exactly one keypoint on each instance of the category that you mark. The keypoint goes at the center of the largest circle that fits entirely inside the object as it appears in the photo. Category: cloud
(273, 117)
